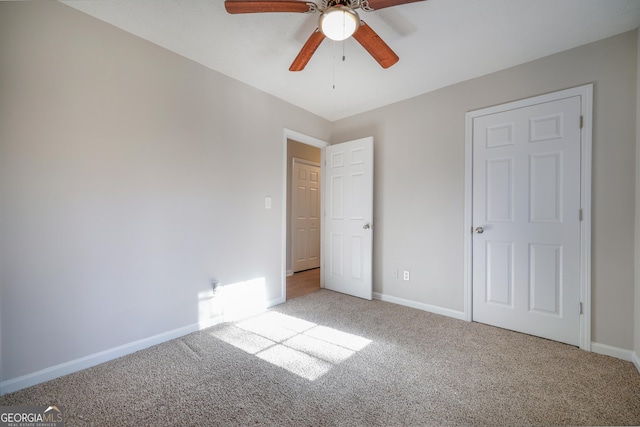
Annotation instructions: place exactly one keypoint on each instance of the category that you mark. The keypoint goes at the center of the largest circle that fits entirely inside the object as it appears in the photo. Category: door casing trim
(586, 94)
(315, 142)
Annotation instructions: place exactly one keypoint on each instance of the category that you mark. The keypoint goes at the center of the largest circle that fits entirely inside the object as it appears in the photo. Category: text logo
(31, 416)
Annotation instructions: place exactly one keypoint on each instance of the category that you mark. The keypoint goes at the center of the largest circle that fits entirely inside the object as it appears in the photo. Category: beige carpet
(327, 359)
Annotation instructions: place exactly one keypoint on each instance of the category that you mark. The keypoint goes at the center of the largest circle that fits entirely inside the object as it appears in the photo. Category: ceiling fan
(338, 21)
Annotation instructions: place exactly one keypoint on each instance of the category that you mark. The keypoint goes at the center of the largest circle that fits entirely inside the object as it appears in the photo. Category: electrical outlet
(267, 202)
(405, 275)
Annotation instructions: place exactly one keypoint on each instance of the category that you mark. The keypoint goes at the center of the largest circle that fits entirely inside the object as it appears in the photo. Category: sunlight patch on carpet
(301, 347)
(296, 362)
(320, 349)
(244, 340)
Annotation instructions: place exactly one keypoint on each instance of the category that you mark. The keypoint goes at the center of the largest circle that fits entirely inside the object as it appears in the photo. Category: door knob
(366, 226)
(479, 230)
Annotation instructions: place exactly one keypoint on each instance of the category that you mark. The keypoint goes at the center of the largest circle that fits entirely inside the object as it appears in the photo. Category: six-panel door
(526, 199)
(349, 217)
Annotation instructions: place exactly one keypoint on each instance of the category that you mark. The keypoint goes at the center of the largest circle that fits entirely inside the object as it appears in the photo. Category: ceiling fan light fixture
(339, 22)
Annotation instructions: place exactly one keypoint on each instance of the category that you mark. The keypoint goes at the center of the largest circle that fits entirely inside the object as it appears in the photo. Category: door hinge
(581, 121)
(580, 308)
(580, 215)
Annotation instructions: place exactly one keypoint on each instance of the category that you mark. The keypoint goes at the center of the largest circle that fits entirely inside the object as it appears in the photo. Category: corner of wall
(636, 306)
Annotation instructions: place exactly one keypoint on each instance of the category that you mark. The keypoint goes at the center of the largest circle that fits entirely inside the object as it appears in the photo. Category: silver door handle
(479, 230)
(367, 226)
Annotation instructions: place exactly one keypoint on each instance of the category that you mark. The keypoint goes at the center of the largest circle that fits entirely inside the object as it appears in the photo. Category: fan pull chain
(343, 54)
(344, 57)
(334, 65)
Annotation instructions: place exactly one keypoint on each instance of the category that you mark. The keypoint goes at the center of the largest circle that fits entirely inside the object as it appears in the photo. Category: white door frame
(315, 142)
(586, 94)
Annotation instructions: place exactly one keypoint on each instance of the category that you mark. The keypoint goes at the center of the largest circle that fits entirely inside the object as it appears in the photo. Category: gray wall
(129, 177)
(419, 176)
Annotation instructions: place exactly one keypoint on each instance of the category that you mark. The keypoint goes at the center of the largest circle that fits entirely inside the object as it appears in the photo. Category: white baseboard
(66, 368)
(289, 273)
(607, 350)
(420, 306)
(76, 365)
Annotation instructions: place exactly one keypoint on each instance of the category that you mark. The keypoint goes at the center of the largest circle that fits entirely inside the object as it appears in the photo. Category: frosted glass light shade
(339, 23)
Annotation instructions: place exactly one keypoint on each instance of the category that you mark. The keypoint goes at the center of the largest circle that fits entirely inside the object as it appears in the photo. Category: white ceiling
(439, 42)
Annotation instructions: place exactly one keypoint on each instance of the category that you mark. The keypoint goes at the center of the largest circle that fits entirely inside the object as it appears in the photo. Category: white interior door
(526, 219)
(348, 227)
(305, 215)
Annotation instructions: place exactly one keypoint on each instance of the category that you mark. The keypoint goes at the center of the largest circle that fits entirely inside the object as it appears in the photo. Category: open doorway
(303, 225)
(303, 218)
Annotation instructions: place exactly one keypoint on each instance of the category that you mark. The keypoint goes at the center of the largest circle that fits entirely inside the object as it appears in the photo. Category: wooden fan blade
(381, 4)
(372, 42)
(307, 51)
(242, 6)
